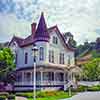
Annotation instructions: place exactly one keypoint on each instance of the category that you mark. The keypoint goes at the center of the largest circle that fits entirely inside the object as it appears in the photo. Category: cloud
(10, 25)
(82, 18)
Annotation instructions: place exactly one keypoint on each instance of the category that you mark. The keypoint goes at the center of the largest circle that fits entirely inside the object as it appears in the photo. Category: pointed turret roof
(41, 31)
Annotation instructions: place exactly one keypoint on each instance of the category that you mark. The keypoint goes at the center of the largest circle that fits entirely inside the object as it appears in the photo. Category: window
(41, 53)
(26, 58)
(51, 56)
(69, 59)
(55, 40)
(27, 76)
(61, 58)
(19, 77)
(48, 76)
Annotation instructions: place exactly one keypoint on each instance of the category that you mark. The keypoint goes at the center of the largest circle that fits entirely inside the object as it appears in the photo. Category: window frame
(41, 53)
(51, 56)
(55, 40)
(61, 58)
(26, 58)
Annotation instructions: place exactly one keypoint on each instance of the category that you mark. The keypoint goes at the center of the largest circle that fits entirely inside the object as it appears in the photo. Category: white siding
(28, 49)
(57, 48)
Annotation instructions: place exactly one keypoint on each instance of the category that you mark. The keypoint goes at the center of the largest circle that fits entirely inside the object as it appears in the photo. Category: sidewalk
(20, 98)
(86, 96)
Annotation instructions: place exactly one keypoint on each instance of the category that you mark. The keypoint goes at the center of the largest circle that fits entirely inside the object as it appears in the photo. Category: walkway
(20, 98)
(86, 96)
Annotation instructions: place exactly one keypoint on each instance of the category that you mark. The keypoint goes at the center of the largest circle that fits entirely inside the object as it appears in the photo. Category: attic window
(55, 40)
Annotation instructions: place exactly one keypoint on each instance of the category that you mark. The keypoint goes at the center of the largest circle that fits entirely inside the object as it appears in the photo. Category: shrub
(81, 88)
(43, 94)
(94, 88)
(2, 97)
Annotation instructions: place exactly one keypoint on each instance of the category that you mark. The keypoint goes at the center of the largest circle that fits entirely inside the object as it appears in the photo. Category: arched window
(41, 53)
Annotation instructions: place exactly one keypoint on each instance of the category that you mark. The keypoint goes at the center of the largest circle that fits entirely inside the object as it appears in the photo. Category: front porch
(42, 78)
(45, 77)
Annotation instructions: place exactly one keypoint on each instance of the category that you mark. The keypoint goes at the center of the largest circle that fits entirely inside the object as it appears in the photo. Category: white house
(54, 60)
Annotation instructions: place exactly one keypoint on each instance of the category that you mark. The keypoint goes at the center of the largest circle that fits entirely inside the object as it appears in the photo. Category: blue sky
(81, 17)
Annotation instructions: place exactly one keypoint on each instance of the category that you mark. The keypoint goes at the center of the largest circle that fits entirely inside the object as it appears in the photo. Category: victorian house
(55, 58)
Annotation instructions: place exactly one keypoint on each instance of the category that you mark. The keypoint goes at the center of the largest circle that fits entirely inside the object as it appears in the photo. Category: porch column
(41, 78)
(54, 78)
(64, 77)
(31, 81)
(69, 76)
(22, 80)
(65, 85)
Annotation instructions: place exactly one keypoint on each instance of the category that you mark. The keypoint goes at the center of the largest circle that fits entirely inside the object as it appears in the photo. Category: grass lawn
(47, 95)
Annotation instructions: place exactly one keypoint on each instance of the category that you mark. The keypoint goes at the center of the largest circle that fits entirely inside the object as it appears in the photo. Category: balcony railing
(42, 83)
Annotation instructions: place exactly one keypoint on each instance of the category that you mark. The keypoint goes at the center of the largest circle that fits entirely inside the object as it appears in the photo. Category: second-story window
(61, 58)
(41, 53)
(26, 58)
(51, 56)
(69, 59)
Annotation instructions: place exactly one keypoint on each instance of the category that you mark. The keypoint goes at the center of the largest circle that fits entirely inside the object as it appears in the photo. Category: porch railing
(42, 83)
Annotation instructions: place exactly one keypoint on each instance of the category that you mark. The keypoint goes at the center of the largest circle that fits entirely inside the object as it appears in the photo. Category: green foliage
(94, 88)
(5, 95)
(91, 70)
(82, 49)
(6, 63)
(81, 88)
(72, 42)
(45, 95)
(95, 54)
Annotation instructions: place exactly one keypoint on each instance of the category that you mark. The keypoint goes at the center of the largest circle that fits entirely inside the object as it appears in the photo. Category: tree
(72, 42)
(6, 65)
(91, 70)
(70, 39)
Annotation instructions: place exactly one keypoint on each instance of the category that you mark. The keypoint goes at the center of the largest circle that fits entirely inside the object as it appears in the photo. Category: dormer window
(55, 40)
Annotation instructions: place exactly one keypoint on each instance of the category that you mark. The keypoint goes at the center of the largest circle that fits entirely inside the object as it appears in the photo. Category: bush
(2, 97)
(81, 88)
(44, 94)
(86, 88)
(11, 97)
(94, 88)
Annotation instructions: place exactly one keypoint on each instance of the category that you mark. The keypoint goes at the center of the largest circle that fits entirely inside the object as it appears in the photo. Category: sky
(80, 17)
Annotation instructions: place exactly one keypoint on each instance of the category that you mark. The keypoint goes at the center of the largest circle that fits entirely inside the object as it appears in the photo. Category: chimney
(33, 27)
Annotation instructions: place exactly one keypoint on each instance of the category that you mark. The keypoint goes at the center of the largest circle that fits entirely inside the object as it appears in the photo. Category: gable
(54, 31)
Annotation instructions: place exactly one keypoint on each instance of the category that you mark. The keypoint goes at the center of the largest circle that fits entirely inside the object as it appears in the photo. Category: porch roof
(48, 66)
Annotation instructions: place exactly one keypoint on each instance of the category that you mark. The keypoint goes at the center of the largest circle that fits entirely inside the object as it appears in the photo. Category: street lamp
(35, 50)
